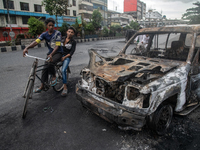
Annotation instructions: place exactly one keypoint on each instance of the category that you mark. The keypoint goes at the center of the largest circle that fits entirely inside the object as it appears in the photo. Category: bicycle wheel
(59, 86)
(28, 92)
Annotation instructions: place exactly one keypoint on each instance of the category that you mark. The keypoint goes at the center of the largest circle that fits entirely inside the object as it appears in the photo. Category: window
(24, 6)
(38, 8)
(12, 19)
(25, 19)
(74, 13)
(10, 3)
(74, 2)
(67, 12)
(173, 37)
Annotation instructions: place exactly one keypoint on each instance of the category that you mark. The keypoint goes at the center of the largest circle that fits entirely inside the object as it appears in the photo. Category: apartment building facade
(21, 10)
(135, 8)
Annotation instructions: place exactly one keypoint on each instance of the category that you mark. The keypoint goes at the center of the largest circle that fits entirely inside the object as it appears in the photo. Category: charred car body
(145, 87)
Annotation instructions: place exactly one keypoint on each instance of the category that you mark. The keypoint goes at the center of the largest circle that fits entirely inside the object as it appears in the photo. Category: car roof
(178, 29)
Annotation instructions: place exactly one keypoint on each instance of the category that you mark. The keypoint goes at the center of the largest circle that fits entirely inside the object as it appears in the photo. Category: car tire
(161, 119)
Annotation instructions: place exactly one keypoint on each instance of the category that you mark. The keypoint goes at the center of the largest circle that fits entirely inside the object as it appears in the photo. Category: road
(61, 123)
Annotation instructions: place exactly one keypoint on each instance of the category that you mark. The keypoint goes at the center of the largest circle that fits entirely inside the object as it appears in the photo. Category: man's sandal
(38, 90)
(54, 82)
(64, 92)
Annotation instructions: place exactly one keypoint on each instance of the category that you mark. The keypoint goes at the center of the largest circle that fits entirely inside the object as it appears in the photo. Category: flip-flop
(38, 90)
(54, 82)
(64, 92)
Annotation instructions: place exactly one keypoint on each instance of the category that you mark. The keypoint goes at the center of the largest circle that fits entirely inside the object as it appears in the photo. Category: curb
(21, 47)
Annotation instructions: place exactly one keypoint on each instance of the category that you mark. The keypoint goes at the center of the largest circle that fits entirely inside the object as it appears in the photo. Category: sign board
(69, 19)
(79, 20)
(12, 34)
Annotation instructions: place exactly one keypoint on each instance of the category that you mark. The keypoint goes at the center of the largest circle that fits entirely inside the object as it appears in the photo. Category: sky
(173, 9)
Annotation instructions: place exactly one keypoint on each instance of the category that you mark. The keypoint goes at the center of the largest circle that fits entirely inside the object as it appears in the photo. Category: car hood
(141, 69)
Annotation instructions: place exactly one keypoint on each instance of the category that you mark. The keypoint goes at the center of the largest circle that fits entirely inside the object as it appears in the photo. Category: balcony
(85, 12)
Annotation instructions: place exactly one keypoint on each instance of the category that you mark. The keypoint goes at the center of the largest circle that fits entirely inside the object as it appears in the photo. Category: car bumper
(126, 118)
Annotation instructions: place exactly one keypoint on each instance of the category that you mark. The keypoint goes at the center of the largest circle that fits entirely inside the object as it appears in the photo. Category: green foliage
(96, 19)
(193, 14)
(105, 31)
(89, 28)
(118, 28)
(55, 7)
(126, 27)
(64, 28)
(36, 27)
(115, 28)
(134, 25)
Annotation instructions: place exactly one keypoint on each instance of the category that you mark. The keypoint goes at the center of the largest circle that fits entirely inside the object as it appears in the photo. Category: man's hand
(63, 58)
(25, 51)
(50, 57)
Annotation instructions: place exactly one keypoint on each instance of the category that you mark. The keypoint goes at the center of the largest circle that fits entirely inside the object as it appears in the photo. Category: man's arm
(53, 52)
(33, 44)
(58, 43)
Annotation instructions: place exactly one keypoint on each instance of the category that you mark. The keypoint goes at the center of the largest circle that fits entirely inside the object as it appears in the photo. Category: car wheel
(161, 119)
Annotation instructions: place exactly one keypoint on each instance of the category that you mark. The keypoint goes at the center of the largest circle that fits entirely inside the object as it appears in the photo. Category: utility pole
(104, 13)
(12, 38)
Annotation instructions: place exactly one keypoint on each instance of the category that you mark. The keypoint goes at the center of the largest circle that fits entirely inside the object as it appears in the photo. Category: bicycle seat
(60, 63)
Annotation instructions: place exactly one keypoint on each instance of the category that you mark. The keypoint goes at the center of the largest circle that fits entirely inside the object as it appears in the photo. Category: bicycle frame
(31, 76)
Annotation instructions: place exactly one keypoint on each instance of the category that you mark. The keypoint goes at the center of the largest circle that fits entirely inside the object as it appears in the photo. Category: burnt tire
(161, 119)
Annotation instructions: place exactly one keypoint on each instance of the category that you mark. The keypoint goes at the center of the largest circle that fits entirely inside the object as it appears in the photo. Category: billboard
(130, 5)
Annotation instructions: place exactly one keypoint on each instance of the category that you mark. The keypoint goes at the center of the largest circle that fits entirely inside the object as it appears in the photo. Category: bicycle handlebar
(36, 57)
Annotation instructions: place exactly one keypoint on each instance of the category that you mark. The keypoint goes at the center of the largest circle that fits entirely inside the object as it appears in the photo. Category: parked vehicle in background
(147, 86)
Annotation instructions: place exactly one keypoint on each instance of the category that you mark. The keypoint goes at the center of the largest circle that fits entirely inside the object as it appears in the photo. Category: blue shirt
(52, 41)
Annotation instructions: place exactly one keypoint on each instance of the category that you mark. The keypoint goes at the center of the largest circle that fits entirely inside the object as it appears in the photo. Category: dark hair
(72, 28)
(49, 20)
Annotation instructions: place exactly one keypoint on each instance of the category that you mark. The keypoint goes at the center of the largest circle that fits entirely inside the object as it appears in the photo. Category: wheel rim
(164, 119)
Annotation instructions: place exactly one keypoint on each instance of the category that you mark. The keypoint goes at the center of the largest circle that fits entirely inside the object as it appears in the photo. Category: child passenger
(69, 47)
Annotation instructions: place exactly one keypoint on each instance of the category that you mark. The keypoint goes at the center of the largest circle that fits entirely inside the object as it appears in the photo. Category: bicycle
(28, 92)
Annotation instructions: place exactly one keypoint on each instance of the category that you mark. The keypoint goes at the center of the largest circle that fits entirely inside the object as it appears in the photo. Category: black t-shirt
(69, 47)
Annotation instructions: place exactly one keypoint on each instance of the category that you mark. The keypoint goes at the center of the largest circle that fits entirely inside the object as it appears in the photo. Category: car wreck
(145, 86)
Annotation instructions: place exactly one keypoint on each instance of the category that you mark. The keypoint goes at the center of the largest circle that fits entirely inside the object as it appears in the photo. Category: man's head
(50, 22)
(71, 31)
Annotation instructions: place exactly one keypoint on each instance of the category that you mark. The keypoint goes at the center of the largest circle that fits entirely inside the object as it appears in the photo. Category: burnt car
(139, 87)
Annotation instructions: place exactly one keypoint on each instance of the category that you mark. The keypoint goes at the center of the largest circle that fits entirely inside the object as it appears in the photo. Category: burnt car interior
(172, 46)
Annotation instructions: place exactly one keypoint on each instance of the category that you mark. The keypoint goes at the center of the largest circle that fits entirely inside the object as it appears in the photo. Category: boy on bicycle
(69, 47)
(53, 42)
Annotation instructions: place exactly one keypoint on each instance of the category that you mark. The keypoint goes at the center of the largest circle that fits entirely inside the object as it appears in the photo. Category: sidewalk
(21, 47)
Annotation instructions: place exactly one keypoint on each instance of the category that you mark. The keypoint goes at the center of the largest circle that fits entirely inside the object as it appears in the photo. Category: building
(135, 8)
(102, 5)
(86, 9)
(155, 19)
(20, 12)
(116, 18)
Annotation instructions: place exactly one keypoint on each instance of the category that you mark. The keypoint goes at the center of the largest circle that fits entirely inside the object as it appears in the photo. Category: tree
(64, 28)
(36, 27)
(96, 19)
(105, 31)
(193, 14)
(55, 7)
(134, 25)
(90, 28)
(118, 28)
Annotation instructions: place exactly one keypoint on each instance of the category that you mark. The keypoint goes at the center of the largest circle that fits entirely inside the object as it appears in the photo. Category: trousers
(64, 68)
(49, 67)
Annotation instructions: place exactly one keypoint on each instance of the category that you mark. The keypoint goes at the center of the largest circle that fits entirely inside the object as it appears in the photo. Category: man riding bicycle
(53, 42)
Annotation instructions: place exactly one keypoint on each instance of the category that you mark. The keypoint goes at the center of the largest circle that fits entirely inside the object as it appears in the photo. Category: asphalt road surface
(61, 123)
